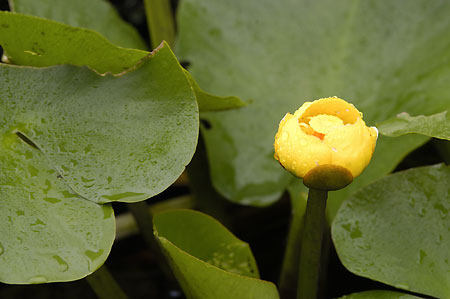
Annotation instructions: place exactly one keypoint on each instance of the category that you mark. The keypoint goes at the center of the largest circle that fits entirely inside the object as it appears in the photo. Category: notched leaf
(123, 138)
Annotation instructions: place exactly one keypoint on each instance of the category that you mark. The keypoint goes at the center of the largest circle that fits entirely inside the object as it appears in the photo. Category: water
(62, 264)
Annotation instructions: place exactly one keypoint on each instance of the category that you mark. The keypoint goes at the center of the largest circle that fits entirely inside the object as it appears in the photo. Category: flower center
(321, 124)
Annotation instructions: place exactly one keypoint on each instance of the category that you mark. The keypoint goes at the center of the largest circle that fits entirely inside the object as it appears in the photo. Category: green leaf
(395, 148)
(379, 295)
(33, 41)
(436, 125)
(383, 56)
(98, 15)
(111, 139)
(396, 231)
(209, 261)
(48, 232)
(210, 102)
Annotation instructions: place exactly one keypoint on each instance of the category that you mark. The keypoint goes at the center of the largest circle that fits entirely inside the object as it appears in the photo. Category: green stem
(160, 21)
(104, 285)
(144, 221)
(289, 269)
(311, 247)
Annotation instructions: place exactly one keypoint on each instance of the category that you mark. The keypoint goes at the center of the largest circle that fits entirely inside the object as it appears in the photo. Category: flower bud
(329, 133)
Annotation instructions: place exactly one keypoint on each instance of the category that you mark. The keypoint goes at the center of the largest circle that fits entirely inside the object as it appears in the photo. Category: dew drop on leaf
(37, 279)
(62, 264)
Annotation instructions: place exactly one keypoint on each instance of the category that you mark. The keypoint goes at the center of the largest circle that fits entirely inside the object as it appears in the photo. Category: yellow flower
(328, 131)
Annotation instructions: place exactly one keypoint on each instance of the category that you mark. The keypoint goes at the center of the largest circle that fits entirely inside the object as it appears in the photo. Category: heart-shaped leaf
(436, 125)
(396, 231)
(383, 56)
(111, 139)
(48, 233)
(97, 15)
(70, 138)
(209, 261)
(33, 41)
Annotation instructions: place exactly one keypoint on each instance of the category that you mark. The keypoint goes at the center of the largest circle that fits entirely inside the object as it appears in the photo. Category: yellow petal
(332, 106)
(328, 131)
(352, 146)
(297, 151)
(324, 123)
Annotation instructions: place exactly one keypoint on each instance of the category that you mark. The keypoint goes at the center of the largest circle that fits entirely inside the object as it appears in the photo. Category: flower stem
(144, 221)
(289, 270)
(104, 285)
(160, 21)
(311, 247)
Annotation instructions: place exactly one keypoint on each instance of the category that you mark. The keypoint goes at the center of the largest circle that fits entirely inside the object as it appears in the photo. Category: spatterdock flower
(329, 132)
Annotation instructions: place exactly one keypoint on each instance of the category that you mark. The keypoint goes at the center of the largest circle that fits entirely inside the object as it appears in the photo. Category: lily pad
(49, 233)
(44, 42)
(98, 15)
(111, 139)
(383, 56)
(33, 41)
(436, 125)
(209, 261)
(396, 231)
(210, 102)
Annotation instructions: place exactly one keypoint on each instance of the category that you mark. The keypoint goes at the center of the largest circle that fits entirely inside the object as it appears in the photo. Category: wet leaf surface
(383, 56)
(209, 261)
(396, 231)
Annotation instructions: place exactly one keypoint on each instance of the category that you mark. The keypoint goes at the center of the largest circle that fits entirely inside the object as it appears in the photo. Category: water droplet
(422, 255)
(2, 249)
(33, 170)
(62, 264)
(67, 194)
(51, 199)
(93, 255)
(122, 196)
(422, 212)
(88, 149)
(62, 147)
(37, 279)
(85, 180)
(364, 246)
(107, 211)
(20, 213)
(354, 231)
(443, 211)
(402, 286)
(37, 224)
